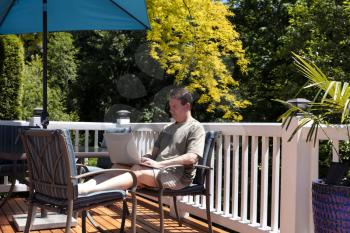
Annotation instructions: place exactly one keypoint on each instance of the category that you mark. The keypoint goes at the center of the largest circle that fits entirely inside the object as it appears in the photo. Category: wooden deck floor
(109, 219)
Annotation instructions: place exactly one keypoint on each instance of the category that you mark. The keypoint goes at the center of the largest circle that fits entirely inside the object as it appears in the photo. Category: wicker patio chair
(200, 186)
(53, 179)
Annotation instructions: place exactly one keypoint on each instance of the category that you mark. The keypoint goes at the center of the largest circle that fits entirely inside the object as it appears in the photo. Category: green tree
(191, 40)
(62, 64)
(32, 96)
(320, 30)
(115, 73)
(63, 68)
(347, 5)
(262, 24)
(271, 30)
(62, 72)
(11, 77)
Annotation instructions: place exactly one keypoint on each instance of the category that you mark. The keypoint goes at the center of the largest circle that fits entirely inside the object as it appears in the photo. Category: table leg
(9, 193)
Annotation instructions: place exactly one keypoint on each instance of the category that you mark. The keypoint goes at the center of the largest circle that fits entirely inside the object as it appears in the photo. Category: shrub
(11, 77)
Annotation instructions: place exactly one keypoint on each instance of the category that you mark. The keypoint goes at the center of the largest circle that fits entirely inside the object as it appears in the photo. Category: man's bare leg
(145, 177)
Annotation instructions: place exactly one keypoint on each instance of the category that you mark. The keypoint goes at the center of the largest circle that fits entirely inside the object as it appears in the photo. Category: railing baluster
(96, 141)
(264, 181)
(86, 141)
(244, 179)
(218, 186)
(235, 174)
(76, 140)
(254, 181)
(276, 162)
(212, 174)
(227, 177)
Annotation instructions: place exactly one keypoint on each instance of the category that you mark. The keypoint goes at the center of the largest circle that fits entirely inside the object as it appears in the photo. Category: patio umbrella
(29, 16)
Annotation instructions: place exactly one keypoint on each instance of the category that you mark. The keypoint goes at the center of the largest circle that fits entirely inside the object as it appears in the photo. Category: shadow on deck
(109, 218)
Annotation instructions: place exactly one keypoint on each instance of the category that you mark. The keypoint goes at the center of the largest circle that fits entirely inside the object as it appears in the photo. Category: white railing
(261, 181)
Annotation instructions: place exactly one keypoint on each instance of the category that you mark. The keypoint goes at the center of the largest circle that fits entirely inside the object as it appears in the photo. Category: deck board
(109, 219)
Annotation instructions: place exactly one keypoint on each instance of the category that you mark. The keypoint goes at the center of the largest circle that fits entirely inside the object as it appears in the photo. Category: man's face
(177, 110)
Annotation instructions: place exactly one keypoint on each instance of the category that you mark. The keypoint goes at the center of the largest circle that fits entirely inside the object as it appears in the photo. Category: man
(180, 143)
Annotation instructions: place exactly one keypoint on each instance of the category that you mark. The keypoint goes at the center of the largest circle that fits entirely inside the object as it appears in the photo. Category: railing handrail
(14, 122)
(251, 129)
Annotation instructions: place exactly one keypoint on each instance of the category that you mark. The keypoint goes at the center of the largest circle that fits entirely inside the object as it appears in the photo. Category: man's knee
(137, 169)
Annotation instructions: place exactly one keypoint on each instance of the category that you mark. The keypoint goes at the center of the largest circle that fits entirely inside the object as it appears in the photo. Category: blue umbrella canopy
(29, 16)
(25, 16)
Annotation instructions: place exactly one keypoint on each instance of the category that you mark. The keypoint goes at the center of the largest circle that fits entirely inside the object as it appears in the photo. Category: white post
(296, 181)
(36, 119)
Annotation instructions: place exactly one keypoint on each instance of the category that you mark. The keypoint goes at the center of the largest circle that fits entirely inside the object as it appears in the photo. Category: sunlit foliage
(191, 39)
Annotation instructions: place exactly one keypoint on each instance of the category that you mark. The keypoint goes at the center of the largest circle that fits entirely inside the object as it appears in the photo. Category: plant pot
(331, 207)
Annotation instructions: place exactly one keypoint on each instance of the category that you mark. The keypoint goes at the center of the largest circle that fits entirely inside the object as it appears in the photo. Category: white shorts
(169, 179)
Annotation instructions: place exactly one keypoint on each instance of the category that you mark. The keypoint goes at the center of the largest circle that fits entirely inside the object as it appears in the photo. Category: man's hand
(150, 162)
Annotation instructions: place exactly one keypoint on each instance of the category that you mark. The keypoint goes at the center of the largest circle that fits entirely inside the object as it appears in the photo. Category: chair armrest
(81, 168)
(102, 154)
(112, 170)
(178, 165)
(204, 167)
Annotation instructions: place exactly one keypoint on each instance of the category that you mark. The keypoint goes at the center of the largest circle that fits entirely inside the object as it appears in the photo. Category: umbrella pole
(44, 114)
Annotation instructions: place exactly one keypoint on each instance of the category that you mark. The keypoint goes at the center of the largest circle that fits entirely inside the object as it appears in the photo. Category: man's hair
(181, 94)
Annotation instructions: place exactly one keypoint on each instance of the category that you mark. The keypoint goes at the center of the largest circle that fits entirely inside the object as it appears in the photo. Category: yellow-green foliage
(190, 38)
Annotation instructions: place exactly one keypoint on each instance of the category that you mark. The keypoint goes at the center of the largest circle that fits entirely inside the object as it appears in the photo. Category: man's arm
(185, 159)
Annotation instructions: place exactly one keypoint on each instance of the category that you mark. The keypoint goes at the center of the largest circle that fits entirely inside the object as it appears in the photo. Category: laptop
(122, 148)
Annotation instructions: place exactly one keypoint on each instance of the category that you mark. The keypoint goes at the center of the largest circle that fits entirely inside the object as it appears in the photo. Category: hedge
(11, 77)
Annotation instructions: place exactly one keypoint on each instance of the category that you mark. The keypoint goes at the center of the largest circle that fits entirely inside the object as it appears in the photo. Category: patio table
(13, 166)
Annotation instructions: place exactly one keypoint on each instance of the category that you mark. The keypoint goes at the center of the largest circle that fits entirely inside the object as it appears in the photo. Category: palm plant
(329, 106)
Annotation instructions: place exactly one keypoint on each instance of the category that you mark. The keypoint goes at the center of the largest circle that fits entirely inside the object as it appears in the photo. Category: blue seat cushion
(190, 190)
(83, 201)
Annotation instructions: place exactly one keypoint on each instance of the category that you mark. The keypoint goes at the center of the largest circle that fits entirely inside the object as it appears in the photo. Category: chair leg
(125, 210)
(91, 219)
(176, 211)
(31, 217)
(134, 212)
(9, 193)
(69, 216)
(207, 206)
(161, 212)
(83, 221)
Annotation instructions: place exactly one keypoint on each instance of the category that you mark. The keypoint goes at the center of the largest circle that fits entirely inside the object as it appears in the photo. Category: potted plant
(331, 196)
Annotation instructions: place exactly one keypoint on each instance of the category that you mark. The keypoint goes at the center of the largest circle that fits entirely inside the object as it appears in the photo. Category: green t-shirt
(180, 138)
